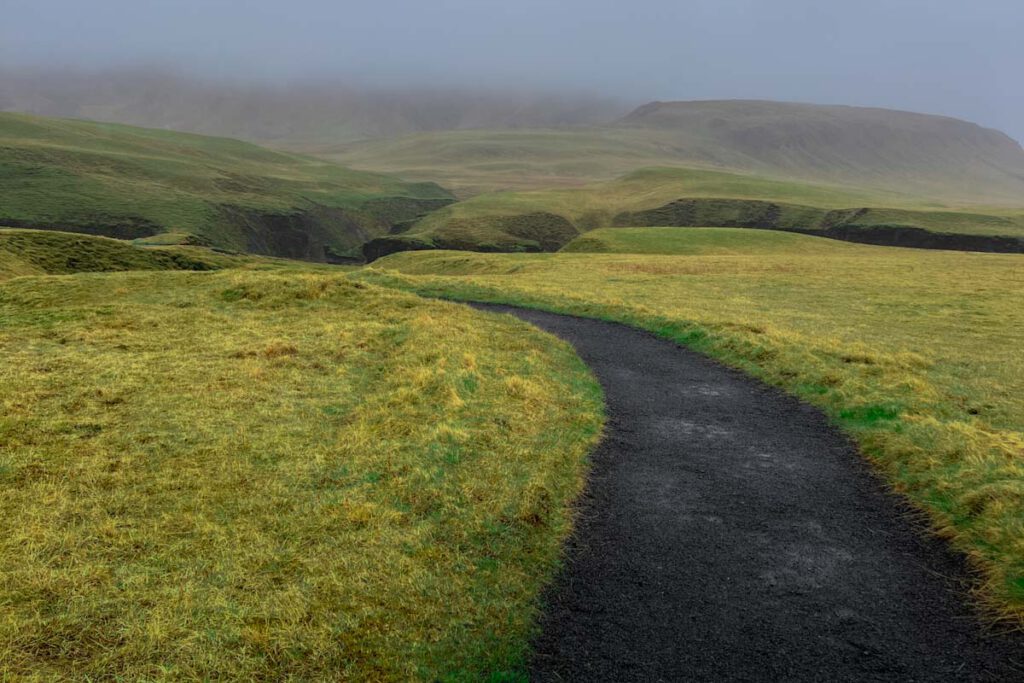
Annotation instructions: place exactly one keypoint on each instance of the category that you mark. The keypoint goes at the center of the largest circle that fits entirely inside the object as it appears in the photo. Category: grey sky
(957, 57)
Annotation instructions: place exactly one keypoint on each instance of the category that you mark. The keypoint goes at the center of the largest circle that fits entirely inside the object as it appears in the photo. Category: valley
(251, 431)
(131, 183)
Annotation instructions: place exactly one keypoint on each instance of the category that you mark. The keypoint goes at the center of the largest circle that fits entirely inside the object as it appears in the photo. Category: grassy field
(282, 471)
(701, 242)
(283, 475)
(544, 220)
(129, 182)
(914, 353)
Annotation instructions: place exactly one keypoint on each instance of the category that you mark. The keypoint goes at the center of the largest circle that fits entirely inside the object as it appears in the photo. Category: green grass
(483, 161)
(763, 213)
(915, 353)
(129, 182)
(249, 475)
(44, 252)
(887, 151)
(700, 242)
(477, 161)
(489, 222)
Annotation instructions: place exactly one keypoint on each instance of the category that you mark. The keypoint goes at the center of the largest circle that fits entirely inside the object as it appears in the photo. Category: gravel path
(730, 533)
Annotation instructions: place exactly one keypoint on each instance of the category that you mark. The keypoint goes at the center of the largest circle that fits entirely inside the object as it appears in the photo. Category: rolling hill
(481, 139)
(701, 242)
(928, 156)
(39, 252)
(546, 220)
(851, 173)
(128, 183)
(919, 153)
(251, 475)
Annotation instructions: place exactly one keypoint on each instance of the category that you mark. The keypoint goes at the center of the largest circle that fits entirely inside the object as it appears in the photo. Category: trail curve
(729, 532)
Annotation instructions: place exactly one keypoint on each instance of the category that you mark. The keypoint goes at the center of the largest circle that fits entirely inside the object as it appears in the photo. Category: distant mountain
(312, 113)
(940, 159)
(482, 140)
(912, 152)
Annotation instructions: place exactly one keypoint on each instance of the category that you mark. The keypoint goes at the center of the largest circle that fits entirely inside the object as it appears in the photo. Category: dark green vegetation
(130, 182)
(545, 220)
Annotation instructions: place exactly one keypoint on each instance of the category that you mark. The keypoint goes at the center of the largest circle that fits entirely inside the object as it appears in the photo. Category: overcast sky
(958, 57)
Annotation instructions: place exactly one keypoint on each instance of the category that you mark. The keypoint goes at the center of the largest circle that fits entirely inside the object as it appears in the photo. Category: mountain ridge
(654, 106)
(939, 158)
(840, 143)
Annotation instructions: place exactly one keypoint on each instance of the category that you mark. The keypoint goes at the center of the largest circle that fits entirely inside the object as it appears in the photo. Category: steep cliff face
(321, 233)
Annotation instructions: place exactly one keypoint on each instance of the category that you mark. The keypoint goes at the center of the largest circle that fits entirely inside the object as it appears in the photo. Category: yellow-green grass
(171, 239)
(128, 182)
(45, 252)
(597, 204)
(276, 476)
(51, 252)
(488, 222)
(700, 242)
(916, 354)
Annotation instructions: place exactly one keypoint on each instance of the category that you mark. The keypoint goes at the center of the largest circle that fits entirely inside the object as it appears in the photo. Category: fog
(938, 56)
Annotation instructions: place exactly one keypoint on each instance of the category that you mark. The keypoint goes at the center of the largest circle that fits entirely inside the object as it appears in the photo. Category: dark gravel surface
(730, 533)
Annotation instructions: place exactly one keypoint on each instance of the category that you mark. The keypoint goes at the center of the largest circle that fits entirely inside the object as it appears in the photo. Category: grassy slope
(931, 156)
(477, 161)
(922, 155)
(267, 476)
(915, 353)
(485, 219)
(700, 242)
(38, 252)
(131, 182)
